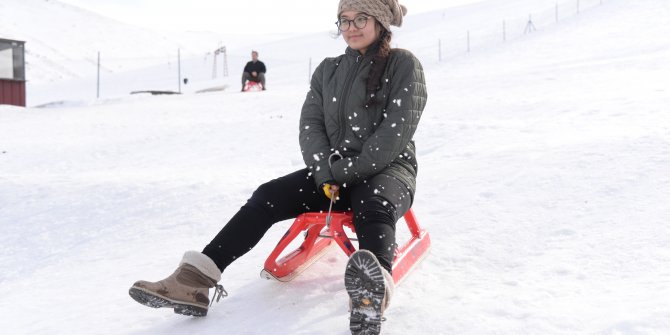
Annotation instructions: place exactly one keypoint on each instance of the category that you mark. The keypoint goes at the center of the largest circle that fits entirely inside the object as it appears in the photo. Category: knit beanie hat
(387, 12)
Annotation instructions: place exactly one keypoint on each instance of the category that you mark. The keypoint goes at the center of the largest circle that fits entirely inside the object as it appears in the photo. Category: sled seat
(320, 237)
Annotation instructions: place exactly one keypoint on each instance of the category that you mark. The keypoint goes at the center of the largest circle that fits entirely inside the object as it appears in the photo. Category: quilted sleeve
(314, 142)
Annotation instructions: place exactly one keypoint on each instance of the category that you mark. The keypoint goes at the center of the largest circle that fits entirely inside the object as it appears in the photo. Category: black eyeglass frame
(341, 21)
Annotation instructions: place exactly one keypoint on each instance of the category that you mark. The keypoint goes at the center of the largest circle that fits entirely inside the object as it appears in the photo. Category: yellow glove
(331, 190)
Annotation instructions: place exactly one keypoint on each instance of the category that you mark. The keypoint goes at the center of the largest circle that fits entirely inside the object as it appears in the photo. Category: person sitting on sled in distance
(356, 128)
(254, 71)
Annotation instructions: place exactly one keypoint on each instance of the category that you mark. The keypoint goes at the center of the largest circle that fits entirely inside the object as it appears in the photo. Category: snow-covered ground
(543, 182)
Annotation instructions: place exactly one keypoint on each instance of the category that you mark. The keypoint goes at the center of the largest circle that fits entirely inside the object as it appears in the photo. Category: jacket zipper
(343, 99)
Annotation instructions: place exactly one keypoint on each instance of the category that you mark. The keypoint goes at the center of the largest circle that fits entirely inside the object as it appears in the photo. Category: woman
(356, 130)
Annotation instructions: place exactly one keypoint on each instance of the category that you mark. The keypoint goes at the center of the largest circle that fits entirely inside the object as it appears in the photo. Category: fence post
(504, 31)
(309, 72)
(179, 69)
(98, 86)
(439, 50)
(577, 6)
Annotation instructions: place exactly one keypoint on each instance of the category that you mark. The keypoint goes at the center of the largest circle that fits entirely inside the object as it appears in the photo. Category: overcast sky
(252, 16)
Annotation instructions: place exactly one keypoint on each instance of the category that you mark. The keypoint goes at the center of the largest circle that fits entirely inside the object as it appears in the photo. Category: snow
(542, 181)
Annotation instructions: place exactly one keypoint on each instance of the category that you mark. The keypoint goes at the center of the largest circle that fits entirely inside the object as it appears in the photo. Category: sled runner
(320, 237)
(252, 86)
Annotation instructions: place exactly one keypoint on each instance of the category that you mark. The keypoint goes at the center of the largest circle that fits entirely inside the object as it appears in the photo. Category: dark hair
(379, 61)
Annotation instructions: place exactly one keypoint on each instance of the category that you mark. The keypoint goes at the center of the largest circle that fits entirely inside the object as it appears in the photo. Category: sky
(259, 16)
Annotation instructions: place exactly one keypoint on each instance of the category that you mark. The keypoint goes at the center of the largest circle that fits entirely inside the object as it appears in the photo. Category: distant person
(254, 71)
(356, 130)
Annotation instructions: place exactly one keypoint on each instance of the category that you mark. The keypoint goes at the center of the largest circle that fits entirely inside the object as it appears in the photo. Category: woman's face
(359, 38)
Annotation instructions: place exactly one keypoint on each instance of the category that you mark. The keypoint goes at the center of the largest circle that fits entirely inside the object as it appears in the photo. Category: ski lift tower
(221, 50)
(530, 27)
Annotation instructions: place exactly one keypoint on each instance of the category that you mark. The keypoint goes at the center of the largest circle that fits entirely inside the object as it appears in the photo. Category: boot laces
(219, 292)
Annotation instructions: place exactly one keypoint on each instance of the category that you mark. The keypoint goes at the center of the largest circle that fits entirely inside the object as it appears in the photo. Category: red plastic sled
(252, 86)
(319, 239)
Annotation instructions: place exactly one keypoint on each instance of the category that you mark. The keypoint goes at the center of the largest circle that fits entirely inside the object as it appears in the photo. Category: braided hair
(379, 61)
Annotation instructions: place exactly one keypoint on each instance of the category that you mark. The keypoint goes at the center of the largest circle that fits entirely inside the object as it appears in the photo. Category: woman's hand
(331, 191)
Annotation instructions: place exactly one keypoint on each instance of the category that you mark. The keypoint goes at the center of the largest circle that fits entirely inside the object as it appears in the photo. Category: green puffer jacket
(372, 140)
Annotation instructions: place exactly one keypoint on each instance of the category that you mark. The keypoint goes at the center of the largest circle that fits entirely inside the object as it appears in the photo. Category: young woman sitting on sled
(356, 130)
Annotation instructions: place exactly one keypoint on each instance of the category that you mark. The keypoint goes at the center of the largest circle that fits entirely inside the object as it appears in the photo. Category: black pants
(377, 204)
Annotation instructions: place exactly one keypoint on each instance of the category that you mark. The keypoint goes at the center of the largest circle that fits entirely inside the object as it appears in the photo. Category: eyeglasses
(359, 22)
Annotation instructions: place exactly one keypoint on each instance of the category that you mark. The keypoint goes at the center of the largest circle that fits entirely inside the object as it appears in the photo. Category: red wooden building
(12, 73)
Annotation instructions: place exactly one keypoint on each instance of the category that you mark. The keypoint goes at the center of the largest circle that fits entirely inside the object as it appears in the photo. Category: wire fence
(453, 38)
(442, 37)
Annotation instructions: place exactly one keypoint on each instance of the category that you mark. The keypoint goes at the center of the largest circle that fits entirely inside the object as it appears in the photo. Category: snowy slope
(288, 57)
(543, 182)
(63, 41)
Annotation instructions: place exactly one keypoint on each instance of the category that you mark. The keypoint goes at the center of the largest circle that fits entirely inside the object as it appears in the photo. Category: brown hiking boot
(186, 290)
(370, 288)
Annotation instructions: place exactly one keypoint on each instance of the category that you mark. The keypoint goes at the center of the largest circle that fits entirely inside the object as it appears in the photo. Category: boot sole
(154, 300)
(364, 282)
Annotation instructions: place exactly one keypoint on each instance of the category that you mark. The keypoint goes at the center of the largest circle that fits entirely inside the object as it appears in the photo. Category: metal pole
(468, 41)
(179, 69)
(98, 87)
(556, 12)
(225, 62)
(216, 54)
